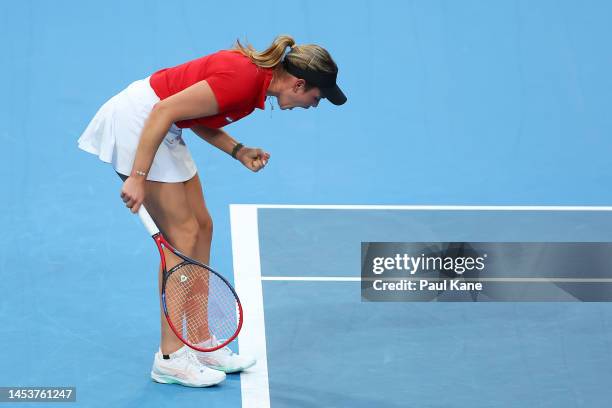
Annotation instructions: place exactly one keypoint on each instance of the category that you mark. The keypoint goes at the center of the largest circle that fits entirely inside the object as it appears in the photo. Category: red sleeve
(233, 89)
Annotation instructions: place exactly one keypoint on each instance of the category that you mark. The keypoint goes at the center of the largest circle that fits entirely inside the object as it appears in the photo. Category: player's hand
(253, 159)
(133, 193)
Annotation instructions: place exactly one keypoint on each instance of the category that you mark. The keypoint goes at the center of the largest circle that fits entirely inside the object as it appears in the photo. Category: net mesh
(200, 305)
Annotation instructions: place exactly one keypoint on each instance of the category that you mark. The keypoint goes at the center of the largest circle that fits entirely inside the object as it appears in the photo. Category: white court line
(312, 278)
(247, 277)
(435, 207)
(358, 279)
(247, 274)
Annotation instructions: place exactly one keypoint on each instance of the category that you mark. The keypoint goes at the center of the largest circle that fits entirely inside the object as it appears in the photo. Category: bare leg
(167, 203)
(195, 197)
(182, 234)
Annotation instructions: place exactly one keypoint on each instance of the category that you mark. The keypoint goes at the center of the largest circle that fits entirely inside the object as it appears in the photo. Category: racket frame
(161, 242)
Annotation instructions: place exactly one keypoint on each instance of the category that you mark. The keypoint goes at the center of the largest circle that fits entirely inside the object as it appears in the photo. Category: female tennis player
(139, 131)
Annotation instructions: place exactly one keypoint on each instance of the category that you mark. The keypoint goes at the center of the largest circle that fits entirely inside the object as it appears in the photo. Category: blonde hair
(306, 56)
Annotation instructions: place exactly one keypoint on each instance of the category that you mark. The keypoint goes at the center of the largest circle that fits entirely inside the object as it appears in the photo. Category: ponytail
(270, 57)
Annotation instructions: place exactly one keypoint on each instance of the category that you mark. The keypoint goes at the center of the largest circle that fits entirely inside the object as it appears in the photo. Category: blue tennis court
(353, 353)
(467, 121)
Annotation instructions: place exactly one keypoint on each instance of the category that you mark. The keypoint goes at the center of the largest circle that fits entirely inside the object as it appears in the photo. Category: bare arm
(216, 137)
(195, 101)
(254, 159)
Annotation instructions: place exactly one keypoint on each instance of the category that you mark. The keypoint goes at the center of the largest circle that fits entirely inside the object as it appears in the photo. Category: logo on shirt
(228, 119)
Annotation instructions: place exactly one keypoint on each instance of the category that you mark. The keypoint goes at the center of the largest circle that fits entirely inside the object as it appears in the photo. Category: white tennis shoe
(224, 359)
(184, 368)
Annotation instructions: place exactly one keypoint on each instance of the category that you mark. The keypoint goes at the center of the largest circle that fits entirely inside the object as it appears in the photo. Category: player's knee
(206, 226)
(185, 235)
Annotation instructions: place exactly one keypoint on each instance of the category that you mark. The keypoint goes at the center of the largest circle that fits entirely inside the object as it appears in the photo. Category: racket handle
(147, 220)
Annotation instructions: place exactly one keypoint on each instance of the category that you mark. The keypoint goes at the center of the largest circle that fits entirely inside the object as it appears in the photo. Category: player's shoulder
(233, 60)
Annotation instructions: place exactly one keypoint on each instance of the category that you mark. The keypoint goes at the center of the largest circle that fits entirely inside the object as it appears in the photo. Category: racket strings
(200, 304)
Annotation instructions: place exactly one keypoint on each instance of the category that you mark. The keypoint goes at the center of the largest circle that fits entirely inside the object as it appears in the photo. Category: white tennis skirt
(114, 132)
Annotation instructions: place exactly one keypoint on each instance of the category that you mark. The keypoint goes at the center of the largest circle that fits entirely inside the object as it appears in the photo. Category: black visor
(325, 81)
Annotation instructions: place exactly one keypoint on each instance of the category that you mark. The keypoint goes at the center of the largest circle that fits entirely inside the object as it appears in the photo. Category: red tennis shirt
(238, 84)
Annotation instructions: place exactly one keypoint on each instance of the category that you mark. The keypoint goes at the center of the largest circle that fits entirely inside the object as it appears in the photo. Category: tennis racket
(200, 305)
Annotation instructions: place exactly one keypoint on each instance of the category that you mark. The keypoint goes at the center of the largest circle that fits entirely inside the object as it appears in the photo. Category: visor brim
(334, 95)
